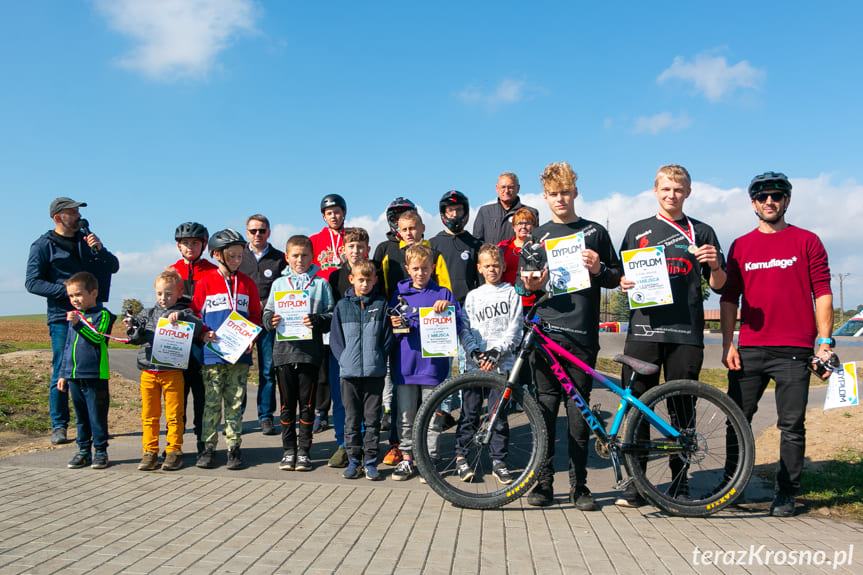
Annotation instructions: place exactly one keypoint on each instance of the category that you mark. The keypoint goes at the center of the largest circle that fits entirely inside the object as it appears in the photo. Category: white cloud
(661, 122)
(509, 91)
(712, 76)
(177, 38)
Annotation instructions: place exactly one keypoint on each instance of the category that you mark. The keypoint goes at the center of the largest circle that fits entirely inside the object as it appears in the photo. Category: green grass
(838, 484)
(37, 317)
(6, 347)
(24, 401)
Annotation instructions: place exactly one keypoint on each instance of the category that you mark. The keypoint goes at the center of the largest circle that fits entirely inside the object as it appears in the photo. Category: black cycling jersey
(681, 321)
(578, 312)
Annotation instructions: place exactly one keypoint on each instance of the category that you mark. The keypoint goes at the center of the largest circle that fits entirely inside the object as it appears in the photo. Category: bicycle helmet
(396, 208)
(225, 238)
(333, 201)
(769, 181)
(453, 198)
(191, 230)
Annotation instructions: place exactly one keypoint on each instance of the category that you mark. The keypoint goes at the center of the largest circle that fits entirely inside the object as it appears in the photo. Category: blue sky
(158, 112)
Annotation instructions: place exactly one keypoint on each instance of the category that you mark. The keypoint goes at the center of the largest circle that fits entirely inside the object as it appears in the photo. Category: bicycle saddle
(638, 366)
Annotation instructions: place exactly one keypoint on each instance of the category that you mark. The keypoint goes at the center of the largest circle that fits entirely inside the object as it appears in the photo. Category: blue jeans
(58, 401)
(266, 376)
(90, 398)
(338, 407)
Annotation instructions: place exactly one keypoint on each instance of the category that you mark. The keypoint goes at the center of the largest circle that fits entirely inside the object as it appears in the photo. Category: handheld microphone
(84, 226)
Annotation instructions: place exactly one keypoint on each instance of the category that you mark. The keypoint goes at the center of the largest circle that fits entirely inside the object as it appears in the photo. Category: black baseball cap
(60, 204)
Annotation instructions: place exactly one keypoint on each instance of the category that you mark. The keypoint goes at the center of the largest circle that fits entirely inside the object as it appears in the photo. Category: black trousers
(194, 382)
(361, 397)
(297, 384)
(322, 400)
(678, 361)
(468, 423)
(549, 393)
(787, 367)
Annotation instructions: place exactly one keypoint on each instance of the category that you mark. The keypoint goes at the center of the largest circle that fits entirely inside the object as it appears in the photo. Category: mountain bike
(685, 445)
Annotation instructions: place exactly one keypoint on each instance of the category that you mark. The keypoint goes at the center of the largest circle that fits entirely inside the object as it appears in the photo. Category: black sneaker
(542, 495)
(581, 498)
(100, 460)
(404, 470)
(289, 461)
(465, 473)
(304, 462)
(385, 421)
(206, 460)
(235, 458)
(783, 505)
(80, 459)
(501, 473)
(267, 427)
(58, 436)
(630, 497)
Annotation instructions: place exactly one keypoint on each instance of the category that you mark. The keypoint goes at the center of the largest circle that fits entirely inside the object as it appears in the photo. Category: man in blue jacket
(55, 257)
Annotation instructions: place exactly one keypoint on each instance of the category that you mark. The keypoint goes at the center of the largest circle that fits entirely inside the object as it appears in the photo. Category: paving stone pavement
(262, 520)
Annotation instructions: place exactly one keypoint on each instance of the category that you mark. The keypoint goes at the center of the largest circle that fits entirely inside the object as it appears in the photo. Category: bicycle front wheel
(458, 462)
(703, 470)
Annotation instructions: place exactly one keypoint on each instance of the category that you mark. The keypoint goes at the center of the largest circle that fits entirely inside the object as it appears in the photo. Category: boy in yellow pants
(158, 379)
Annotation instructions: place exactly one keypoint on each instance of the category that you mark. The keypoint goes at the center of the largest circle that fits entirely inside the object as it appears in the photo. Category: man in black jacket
(494, 221)
(55, 257)
(263, 263)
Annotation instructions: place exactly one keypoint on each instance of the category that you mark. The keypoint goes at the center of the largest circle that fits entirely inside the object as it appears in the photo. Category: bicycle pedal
(624, 483)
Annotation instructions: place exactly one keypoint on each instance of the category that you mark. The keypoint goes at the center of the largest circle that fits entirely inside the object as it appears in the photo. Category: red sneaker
(393, 456)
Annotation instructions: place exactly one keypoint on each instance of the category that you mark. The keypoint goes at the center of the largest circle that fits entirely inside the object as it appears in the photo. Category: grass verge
(23, 401)
(836, 485)
(6, 347)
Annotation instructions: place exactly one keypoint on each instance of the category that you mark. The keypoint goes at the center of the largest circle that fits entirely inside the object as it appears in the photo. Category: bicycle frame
(553, 351)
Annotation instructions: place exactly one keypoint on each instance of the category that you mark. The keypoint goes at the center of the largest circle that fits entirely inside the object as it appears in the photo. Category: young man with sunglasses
(263, 263)
(778, 270)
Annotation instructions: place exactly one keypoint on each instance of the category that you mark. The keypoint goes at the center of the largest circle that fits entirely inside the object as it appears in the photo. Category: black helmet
(332, 201)
(225, 238)
(191, 230)
(453, 198)
(396, 208)
(769, 181)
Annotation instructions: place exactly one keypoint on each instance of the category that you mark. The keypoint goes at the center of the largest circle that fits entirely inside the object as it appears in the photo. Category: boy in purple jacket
(416, 375)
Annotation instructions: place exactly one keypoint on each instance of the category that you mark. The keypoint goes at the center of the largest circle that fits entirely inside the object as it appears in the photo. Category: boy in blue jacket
(84, 369)
(360, 339)
(416, 375)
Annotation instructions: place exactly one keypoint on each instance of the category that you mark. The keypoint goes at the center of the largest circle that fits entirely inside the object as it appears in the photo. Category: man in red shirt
(777, 269)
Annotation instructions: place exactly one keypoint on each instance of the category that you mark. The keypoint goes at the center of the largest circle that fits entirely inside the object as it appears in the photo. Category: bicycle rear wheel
(703, 470)
(436, 452)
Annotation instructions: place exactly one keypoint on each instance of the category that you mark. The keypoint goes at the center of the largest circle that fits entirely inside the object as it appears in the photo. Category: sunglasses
(257, 231)
(775, 196)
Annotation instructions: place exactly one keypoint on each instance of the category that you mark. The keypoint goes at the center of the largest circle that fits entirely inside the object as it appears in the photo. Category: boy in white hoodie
(492, 318)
